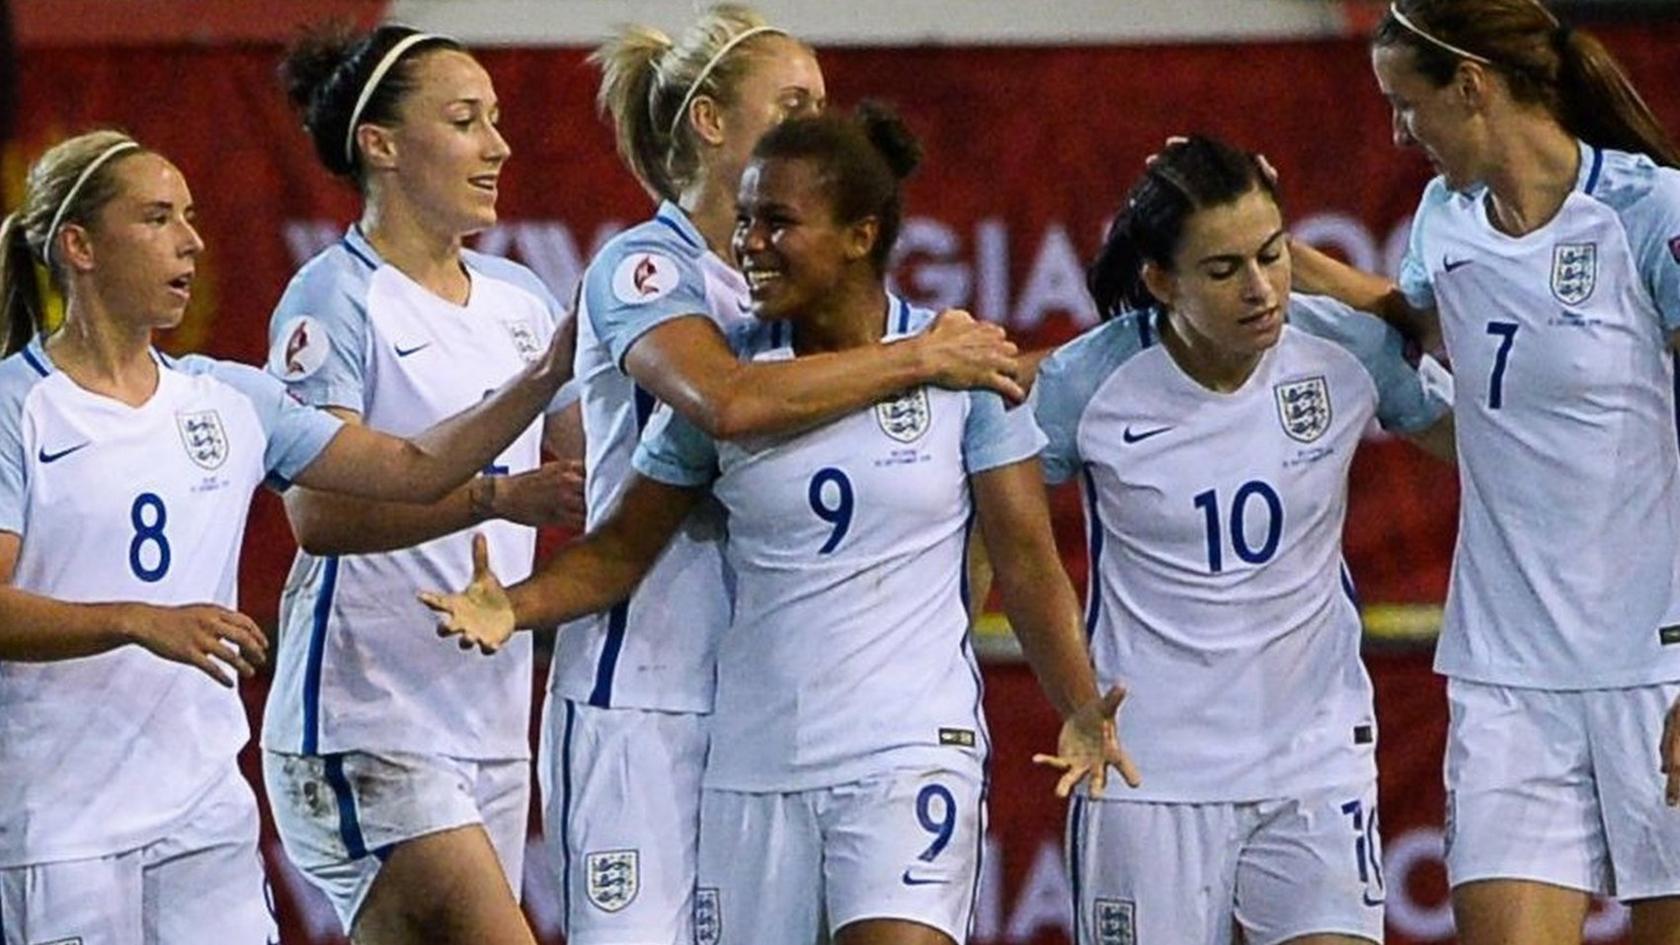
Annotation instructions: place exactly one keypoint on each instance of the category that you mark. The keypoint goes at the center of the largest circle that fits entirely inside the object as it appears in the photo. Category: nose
(1257, 289)
(499, 150)
(749, 238)
(193, 244)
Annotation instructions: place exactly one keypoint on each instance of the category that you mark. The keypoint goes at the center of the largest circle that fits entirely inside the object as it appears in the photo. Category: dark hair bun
(311, 61)
(891, 137)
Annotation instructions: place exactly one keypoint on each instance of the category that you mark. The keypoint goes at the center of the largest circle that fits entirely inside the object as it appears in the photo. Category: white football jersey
(656, 649)
(1218, 594)
(1567, 571)
(848, 654)
(358, 666)
(120, 503)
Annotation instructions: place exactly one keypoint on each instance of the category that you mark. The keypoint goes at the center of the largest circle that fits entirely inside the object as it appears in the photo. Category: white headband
(374, 78)
(1394, 11)
(711, 64)
(76, 188)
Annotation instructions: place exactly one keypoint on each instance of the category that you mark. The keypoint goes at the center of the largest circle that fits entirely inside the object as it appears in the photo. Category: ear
(1474, 84)
(378, 145)
(706, 118)
(1160, 283)
(75, 247)
(861, 237)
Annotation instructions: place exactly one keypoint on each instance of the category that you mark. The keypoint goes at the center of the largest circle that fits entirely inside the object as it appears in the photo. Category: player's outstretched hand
(551, 494)
(1088, 745)
(964, 354)
(562, 346)
(212, 638)
(482, 615)
(1670, 749)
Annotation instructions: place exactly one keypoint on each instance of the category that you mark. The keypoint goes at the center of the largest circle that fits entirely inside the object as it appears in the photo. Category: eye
(1222, 271)
(1271, 256)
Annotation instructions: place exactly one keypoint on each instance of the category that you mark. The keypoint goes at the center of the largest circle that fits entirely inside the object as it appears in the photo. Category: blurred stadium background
(1035, 116)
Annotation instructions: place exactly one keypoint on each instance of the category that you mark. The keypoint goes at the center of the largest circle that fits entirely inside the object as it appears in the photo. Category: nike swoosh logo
(1131, 437)
(47, 457)
(910, 879)
(1451, 264)
(405, 352)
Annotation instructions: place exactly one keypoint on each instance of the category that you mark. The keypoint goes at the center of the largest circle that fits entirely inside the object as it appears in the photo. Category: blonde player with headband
(624, 730)
(123, 816)
(1546, 255)
(399, 773)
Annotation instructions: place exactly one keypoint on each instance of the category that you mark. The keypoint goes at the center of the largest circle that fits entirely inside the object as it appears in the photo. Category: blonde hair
(25, 234)
(647, 79)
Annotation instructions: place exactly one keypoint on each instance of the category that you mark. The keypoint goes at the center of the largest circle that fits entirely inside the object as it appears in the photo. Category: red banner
(1028, 150)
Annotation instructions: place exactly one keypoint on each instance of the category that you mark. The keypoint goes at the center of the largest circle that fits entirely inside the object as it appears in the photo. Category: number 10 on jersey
(1253, 489)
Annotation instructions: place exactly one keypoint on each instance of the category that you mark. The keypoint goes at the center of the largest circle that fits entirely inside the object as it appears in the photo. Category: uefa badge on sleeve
(708, 916)
(1574, 272)
(1304, 408)
(300, 348)
(614, 879)
(203, 436)
(905, 417)
(1116, 921)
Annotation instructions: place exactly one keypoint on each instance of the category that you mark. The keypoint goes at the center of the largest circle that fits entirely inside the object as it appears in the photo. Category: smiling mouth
(1258, 318)
(182, 283)
(758, 279)
(485, 183)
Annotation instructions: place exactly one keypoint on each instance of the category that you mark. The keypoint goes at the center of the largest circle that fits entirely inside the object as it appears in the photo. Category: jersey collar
(356, 242)
(1592, 162)
(673, 218)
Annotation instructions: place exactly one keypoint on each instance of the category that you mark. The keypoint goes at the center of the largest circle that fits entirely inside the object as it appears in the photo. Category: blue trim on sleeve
(1093, 576)
(903, 317)
(317, 649)
(365, 256)
(1347, 586)
(29, 356)
(618, 620)
(1146, 333)
(349, 828)
(672, 217)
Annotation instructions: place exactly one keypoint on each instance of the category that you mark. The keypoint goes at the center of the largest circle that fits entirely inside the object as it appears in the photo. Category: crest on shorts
(1116, 922)
(524, 339)
(1574, 272)
(614, 878)
(708, 917)
(905, 417)
(204, 438)
(1304, 408)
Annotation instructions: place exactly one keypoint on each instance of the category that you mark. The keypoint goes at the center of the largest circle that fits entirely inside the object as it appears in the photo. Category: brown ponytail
(21, 310)
(1542, 60)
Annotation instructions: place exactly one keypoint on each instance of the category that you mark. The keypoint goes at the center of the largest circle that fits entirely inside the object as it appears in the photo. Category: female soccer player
(848, 744)
(1546, 255)
(1212, 422)
(399, 774)
(623, 732)
(127, 476)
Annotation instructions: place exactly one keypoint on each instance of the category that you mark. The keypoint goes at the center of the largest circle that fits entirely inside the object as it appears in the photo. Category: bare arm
(590, 574)
(1015, 523)
(1320, 274)
(35, 628)
(687, 363)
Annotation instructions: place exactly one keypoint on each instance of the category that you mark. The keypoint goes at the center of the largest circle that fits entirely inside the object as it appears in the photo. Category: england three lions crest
(614, 879)
(1116, 921)
(204, 437)
(1304, 408)
(905, 417)
(708, 917)
(1574, 272)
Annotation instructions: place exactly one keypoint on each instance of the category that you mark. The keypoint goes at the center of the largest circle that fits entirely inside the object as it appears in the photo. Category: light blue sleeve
(1404, 403)
(1067, 380)
(996, 435)
(641, 280)
(675, 451)
(318, 334)
(295, 434)
(1414, 279)
(16, 378)
(1647, 198)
